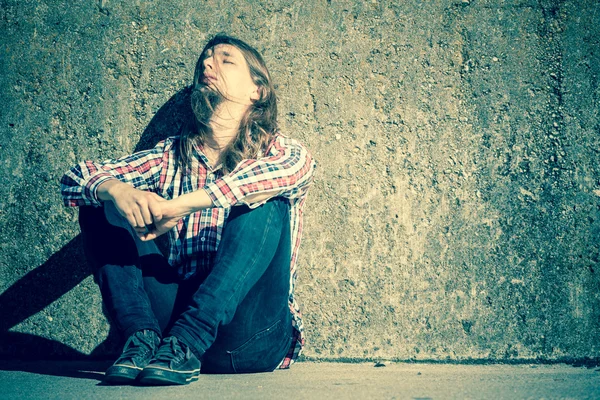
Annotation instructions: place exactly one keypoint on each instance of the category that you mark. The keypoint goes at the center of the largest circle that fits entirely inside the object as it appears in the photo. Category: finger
(146, 215)
(148, 236)
(139, 220)
(131, 219)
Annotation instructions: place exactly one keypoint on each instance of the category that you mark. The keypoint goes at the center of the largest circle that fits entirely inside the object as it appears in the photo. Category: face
(226, 70)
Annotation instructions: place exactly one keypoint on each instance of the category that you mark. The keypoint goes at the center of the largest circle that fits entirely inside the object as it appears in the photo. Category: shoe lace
(133, 344)
(171, 349)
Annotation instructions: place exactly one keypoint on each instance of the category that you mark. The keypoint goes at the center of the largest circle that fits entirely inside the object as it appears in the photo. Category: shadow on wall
(67, 268)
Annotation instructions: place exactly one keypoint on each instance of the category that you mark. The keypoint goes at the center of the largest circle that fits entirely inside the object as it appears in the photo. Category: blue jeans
(234, 317)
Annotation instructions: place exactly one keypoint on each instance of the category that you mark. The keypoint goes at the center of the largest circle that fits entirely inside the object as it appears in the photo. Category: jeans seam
(279, 324)
(144, 302)
(257, 335)
(254, 259)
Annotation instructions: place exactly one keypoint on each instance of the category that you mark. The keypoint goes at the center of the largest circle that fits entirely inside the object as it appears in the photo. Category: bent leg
(246, 293)
(117, 257)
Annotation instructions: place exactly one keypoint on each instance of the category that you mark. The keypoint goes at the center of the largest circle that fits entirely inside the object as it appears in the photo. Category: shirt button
(202, 239)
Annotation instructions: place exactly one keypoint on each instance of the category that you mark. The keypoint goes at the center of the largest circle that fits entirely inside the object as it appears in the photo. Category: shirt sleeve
(141, 170)
(287, 171)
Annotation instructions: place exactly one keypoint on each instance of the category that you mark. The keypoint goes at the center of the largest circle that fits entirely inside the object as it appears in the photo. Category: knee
(90, 218)
(280, 203)
(277, 207)
(103, 242)
(114, 217)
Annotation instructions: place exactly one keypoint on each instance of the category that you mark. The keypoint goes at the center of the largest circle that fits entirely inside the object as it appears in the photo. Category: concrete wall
(453, 214)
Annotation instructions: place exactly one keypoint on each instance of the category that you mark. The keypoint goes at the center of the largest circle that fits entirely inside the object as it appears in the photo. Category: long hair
(257, 126)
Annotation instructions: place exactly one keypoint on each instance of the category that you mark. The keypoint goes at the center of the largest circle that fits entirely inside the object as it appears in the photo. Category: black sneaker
(173, 364)
(137, 353)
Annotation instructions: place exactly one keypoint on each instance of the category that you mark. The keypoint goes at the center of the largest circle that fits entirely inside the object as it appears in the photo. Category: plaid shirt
(286, 171)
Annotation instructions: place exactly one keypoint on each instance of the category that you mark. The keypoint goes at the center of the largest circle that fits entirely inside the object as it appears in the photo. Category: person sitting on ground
(229, 191)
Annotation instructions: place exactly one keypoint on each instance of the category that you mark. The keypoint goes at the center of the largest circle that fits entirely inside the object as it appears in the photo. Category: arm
(128, 182)
(141, 208)
(287, 172)
(79, 185)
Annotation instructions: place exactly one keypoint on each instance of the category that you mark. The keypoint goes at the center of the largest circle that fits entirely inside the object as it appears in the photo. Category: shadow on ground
(69, 369)
(65, 269)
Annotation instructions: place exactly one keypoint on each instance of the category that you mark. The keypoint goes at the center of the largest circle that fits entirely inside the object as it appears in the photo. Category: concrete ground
(310, 380)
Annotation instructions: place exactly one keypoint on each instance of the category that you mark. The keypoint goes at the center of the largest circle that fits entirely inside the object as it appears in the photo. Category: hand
(170, 217)
(139, 207)
(171, 211)
(148, 213)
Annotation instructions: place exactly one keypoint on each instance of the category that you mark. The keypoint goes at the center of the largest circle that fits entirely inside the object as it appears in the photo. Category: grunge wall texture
(455, 213)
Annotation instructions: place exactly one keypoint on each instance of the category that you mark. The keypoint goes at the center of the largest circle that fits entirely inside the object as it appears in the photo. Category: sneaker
(137, 353)
(173, 364)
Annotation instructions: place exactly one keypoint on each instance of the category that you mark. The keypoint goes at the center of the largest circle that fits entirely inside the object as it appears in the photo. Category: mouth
(209, 78)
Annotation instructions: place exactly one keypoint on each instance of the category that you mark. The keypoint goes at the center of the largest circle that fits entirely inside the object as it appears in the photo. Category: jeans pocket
(262, 352)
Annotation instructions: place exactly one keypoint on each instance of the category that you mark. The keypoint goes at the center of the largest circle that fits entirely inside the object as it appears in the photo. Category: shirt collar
(199, 149)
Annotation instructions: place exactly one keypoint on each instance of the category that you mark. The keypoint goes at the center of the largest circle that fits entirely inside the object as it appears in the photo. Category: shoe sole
(158, 376)
(121, 374)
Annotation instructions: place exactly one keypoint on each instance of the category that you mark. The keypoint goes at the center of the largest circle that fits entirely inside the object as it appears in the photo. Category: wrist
(178, 207)
(192, 202)
(105, 191)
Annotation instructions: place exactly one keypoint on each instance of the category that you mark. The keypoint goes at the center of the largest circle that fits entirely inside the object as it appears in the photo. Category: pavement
(313, 380)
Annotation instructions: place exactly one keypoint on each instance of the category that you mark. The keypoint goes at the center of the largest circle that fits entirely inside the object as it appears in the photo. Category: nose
(208, 63)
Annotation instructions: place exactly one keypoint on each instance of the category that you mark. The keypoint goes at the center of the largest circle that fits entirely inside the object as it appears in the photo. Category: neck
(225, 123)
